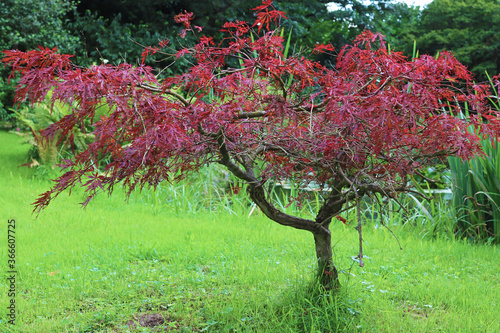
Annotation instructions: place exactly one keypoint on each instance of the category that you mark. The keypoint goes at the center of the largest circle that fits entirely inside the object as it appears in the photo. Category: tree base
(328, 279)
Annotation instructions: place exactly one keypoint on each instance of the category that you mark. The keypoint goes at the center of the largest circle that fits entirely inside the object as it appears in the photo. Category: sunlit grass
(213, 270)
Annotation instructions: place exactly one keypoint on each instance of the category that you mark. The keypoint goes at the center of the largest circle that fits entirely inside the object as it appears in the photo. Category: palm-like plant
(476, 187)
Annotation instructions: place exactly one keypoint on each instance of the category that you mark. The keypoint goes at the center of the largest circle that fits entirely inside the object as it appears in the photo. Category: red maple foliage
(362, 127)
(265, 16)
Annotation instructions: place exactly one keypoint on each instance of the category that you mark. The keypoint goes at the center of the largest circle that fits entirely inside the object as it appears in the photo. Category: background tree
(111, 40)
(24, 24)
(466, 27)
(352, 17)
(109, 26)
(396, 22)
(149, 21)
(361, 129)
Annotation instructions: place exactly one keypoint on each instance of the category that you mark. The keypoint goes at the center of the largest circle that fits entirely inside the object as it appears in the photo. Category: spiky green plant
(476, 188)
(476, 193)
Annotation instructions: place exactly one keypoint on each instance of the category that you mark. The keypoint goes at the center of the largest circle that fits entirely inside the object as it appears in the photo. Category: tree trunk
(328, 275)
(327, 272)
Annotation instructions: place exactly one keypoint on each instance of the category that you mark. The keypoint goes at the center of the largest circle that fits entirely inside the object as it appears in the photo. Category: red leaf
(184, 18)
(181, 53)
(320, 48)
(341, 219)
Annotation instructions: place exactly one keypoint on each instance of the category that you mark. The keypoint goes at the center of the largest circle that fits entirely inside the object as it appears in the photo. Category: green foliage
(24, 24)
(351, 17)
(476, 188)
(469, 28)
(115, 31)
(396, 21)
(108, 27)
(434, 177)
(112, 40)
(48, 152)
(310, 22)
(6, 92)
(476, 193)
(306, 16)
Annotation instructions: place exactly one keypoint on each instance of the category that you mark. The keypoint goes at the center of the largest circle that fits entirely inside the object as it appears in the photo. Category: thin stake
(359, 229)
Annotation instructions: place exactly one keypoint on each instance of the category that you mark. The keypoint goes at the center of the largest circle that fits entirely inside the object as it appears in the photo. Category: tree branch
(359, 229)
(247, 115)
(231, 166)
(167, 91)
(358, 211)
(257, 194)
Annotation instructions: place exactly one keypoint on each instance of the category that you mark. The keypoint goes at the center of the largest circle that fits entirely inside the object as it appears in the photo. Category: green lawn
(101, 268)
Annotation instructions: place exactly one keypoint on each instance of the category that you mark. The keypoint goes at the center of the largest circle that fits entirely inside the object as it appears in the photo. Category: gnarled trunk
(328, 275)
(327, 272)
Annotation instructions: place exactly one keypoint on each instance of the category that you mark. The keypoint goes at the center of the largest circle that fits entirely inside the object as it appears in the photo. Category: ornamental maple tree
(361, 128)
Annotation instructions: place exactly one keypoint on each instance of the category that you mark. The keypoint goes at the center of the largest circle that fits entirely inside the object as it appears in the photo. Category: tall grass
(103, 268)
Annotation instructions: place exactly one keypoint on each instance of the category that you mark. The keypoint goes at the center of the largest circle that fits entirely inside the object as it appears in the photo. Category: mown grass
(207, 270)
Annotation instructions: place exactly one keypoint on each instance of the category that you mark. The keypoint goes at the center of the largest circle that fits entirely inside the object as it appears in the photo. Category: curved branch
(247, 115)
(258, 195)
(230, 165)
(167, 91)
